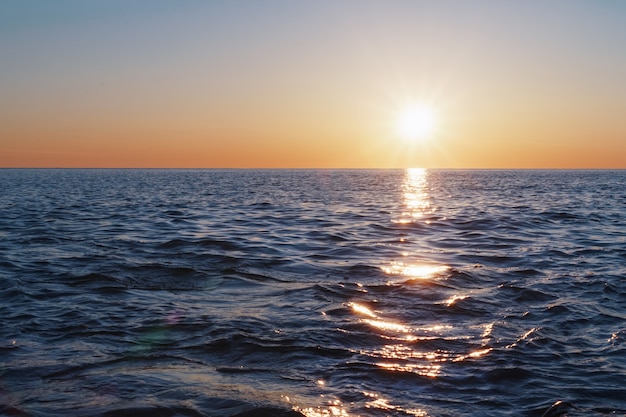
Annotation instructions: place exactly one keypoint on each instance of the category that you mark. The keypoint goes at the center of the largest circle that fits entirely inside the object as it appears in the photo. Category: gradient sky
(184, 83)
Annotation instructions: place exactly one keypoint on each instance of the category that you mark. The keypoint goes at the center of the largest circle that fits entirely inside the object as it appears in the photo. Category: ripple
(310, 293)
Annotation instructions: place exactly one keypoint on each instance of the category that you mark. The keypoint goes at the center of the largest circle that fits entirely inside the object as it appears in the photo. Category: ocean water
(312, 292)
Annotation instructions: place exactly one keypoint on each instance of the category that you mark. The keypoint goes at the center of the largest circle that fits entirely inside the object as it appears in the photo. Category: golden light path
(398, 356)
(413, 271)
(401, 350)
(382, 404)
(416, 197)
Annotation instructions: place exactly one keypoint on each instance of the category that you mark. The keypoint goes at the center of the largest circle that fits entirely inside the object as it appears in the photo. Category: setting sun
(416, 122)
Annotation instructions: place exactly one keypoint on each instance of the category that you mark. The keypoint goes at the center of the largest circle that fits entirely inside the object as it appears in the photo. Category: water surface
(343, 293)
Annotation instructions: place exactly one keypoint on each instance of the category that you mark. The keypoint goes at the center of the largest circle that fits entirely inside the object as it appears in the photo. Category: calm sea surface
(315, 292)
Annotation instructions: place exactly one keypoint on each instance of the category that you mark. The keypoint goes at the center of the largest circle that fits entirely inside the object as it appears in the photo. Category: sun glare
(416, 122)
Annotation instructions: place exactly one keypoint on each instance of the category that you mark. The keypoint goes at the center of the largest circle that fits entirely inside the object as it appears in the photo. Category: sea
(316, 293)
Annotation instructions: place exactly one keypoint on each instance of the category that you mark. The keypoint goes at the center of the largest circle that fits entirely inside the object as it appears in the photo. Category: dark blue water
(324, 293)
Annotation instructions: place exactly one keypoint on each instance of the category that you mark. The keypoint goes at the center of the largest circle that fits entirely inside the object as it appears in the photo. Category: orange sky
(312, 84)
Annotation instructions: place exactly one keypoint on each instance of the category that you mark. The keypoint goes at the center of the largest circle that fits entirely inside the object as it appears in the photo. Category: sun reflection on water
(403, 358)
(473, 354)
(334, 408)
(388, 325)
(415, 193)
(452, 300)
(404, 351)
(400, 356)
(416, 197)
(414, 271)
(380, 403)
(405, 345)
(361, 309)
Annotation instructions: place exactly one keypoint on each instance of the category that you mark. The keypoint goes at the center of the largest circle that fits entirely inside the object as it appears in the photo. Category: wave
(308, 293)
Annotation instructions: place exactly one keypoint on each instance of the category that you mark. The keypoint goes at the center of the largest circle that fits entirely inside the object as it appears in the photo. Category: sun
(416, 122)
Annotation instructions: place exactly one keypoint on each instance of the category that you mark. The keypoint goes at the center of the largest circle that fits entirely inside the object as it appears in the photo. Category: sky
(312, 84)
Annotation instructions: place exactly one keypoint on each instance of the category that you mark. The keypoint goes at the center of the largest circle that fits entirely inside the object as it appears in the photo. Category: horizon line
(331, 168)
